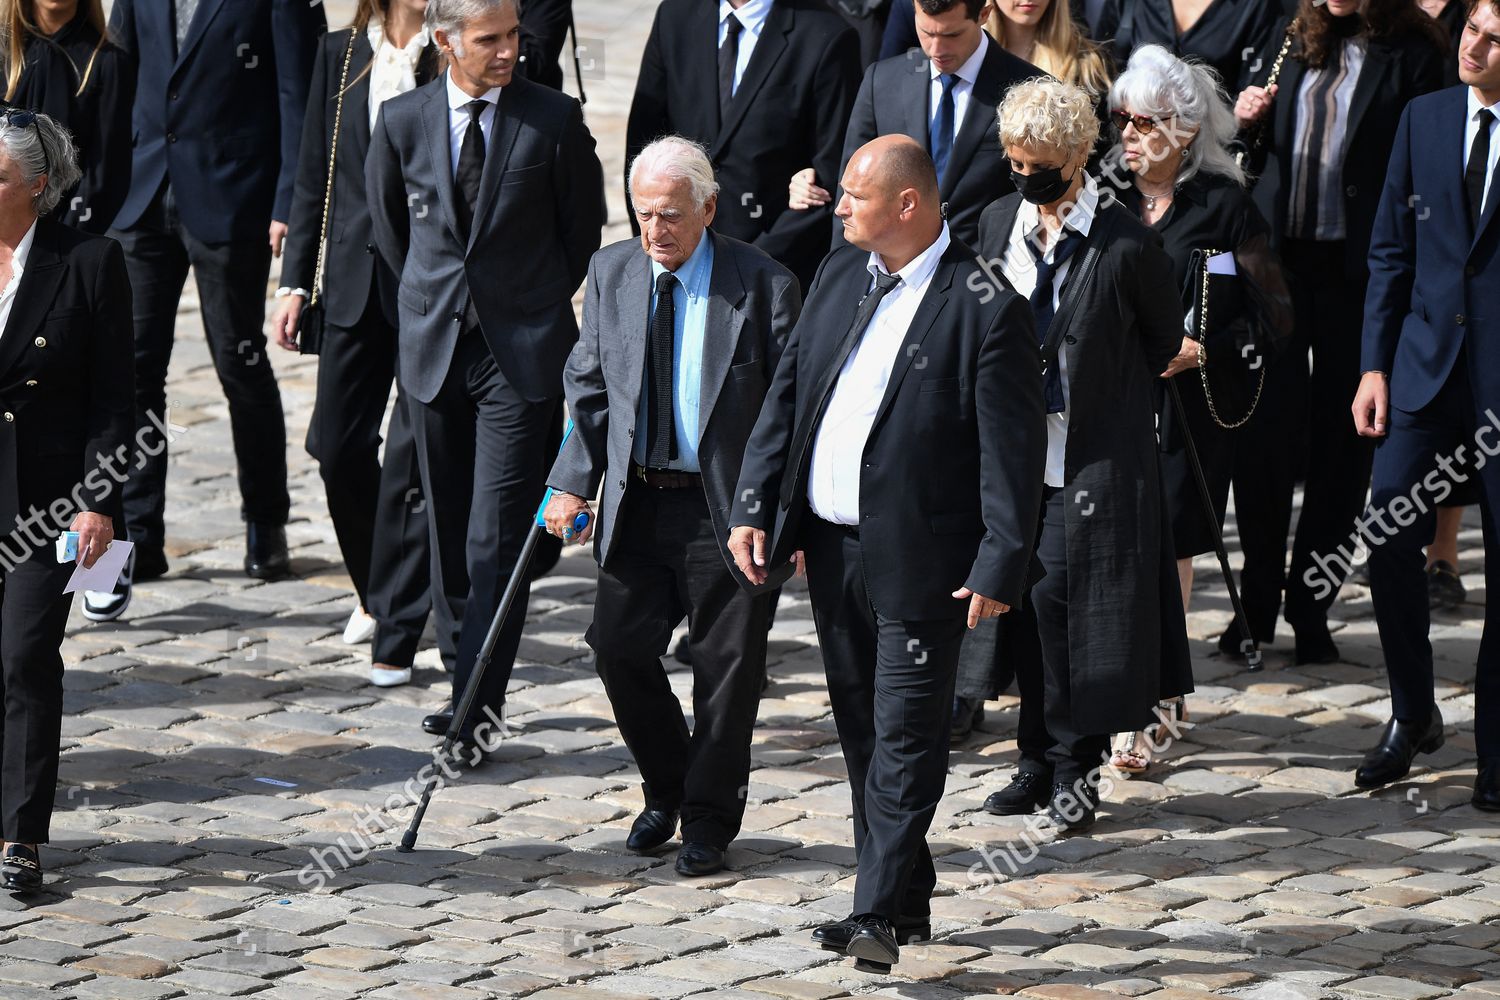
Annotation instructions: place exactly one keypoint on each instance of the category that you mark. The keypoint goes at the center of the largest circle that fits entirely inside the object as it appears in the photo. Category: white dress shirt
(458, 119)
(1019, 268)
(392, 71)
(1471, 129)
(17, 268)
(839, 447)
(962, 90)
(752, 15)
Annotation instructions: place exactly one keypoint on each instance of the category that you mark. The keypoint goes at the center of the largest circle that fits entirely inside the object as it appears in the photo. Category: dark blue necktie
(940, 137)
(1042, 309)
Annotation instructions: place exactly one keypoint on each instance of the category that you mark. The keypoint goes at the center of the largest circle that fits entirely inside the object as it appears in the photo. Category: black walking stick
(1252, 657)
(482, 661)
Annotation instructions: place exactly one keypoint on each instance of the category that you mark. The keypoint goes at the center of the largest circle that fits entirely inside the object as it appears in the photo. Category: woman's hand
(95, 532)
(1253, 104)
(1187, 357)
(803, 192)
(284, 321)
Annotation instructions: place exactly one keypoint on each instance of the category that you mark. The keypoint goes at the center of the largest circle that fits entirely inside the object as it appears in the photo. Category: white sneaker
(107, 605)
(389, 677)
(361, 628)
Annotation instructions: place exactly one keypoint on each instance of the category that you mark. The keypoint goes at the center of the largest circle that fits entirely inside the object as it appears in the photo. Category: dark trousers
(33, 617)
(482, 449)
(1049, 741)
(232, 295)
(891, 686)
(668, 563)
(378, 509)
(1404, 461)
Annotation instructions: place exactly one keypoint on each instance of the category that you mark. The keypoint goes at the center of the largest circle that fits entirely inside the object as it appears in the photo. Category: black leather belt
(848, 529)
(666, 479)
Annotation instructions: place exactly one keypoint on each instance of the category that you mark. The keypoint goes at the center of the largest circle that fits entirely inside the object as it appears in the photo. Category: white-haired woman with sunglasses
(66, 410)
(1174, 127)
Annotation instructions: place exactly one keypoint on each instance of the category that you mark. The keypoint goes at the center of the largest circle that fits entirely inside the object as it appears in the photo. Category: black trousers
(33, 617)
(1406, 466)
(1050, 743)
(232, 295)
(669, 563)
(891, 686)
(378, 509)
(482, 450)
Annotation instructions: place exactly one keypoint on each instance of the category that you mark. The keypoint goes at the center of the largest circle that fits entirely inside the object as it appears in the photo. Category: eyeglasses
(20, 118)
(1144, 124)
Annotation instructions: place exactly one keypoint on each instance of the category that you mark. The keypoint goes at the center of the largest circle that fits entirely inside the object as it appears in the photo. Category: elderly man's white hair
(450, 16)
(676, 158)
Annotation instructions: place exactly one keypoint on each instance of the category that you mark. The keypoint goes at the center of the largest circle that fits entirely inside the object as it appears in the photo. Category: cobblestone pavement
(222, 738)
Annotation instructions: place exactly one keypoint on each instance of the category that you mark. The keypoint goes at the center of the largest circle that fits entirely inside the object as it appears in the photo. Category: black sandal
(21, 869)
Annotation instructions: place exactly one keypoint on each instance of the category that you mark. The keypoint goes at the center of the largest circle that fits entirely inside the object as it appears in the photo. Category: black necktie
(823, 391)
(1042, 308)
(1479, 158)
(729, 54)
(470, 167)
(661, 430)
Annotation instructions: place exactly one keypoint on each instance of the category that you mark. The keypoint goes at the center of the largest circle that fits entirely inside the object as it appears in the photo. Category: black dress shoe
(150, 562)
(21, 869)
(1314, 644)
(265, 551)
(873, 944)
(835, 936)
(1026, 793)
(967, 713)
(651, 829)
(1390, 759)
(1072, 807)
(437, 725)
(1487, 785)
(699, 859)
(1445, 588)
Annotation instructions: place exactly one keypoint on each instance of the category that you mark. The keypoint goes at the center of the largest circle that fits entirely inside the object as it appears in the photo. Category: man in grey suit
(681, 335)
(487, 199)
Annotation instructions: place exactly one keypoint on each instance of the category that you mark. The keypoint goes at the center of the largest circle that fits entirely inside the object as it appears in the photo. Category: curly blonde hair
(1044, 111)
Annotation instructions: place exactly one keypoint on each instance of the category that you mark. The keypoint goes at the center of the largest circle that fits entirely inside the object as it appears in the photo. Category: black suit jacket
(894, 99)
(789, 112)
(952, 479)
(67, 390)
(544, 31)
(1395, 71)
(223, 118)
(352, 262)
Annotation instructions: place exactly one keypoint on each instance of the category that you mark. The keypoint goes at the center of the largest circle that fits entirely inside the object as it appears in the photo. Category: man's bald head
(891, 203)
(895, 163)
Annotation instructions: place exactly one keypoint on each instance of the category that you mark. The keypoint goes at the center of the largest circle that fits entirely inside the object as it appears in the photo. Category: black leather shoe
(873, 944)
(265, 551)
(437, 725)
(1445, 588)
(1072, 807)
(21, 869)
(699, 859)
(835, 936)
(150, 562)
(967, 713)
(1314, 644)
(1026, 793)
(1487, 785)
(651, 829)
(1390, 759)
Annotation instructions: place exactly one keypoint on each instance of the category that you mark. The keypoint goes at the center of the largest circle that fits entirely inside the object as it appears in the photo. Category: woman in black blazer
(1326, 134)
(66, 409)
(59, 60)
(377, 511)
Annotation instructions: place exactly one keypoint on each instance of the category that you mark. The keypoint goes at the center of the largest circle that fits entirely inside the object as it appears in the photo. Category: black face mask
(1042, 187)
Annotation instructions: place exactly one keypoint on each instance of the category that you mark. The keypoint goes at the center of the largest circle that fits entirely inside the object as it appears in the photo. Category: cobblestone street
(232, 789)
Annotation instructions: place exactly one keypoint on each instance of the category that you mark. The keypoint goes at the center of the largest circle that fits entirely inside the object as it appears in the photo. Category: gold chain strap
(1291, 33)
(1203, 356)
(333, 152)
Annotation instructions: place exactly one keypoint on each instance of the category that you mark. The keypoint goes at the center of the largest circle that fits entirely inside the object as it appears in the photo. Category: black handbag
(310, 320)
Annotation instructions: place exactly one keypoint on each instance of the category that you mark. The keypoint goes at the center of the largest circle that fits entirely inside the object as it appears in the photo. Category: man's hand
(980, 606)
(561, 511)
(1187, 357)
(804, 193)
(278, 234)
(95, 532)
(1371, 403)
(284, 321)
(748, 546)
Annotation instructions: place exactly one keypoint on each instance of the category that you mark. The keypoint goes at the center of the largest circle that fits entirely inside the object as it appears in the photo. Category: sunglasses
(19, 118)
(1144, 124)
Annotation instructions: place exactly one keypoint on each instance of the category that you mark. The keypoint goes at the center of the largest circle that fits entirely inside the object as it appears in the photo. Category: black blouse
(99, 118)
(1221, 37)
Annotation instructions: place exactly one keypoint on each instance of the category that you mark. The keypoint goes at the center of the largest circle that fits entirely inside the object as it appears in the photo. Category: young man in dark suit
(901, 449)
(1430, 390)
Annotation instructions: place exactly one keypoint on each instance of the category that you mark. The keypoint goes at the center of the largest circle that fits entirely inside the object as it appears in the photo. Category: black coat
(789, 112)
(952, 479)
(88, 88)
(351, 263)
(1222, 36)
(1395, 70)
(544, 31)
(67, 389)
(1127, 636)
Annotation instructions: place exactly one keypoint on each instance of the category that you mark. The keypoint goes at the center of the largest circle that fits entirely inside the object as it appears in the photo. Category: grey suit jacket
(540, 211)
(753, 305)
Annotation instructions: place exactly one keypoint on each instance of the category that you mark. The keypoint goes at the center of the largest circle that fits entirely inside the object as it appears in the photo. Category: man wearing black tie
(901, 449)
(487, 199)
